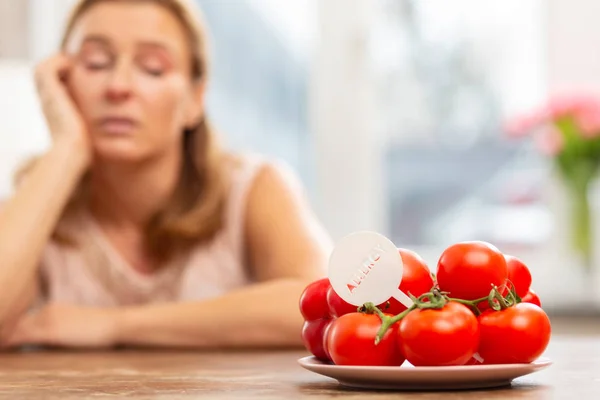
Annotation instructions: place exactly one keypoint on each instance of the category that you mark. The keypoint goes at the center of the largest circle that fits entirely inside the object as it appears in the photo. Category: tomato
(314, 309)
(518, 274)
(337, 306)
(326, 342)
(416, 280)
(439, 337)
(312, 336)
(313, 301)
(351, 341)
(532, 297)
(518, 334)
(468, 270)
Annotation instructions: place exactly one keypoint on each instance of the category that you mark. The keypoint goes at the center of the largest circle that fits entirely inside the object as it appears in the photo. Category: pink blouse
(95, 274)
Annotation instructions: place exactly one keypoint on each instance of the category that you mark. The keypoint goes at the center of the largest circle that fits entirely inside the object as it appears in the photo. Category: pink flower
(560, 107)
(588, 120)
(550, 141)
(584, 109)
(563, 106)
(524, 125)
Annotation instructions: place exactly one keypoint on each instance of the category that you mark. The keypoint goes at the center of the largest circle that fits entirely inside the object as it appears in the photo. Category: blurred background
(390, 111)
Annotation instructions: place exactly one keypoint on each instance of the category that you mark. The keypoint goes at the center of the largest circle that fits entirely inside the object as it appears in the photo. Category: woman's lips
(118, 125)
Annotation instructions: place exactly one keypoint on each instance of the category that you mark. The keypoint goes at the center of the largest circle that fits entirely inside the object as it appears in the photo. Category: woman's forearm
(28, 219)
(260, 315)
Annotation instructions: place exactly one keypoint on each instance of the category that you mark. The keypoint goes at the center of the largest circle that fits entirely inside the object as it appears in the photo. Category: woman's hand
(64, 121)
(64, 326)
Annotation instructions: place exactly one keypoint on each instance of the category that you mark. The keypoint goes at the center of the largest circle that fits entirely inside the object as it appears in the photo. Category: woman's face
(131, 80)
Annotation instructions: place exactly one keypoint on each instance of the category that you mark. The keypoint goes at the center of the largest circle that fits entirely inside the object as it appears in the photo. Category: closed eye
(96, 59)
(153, 71)
(153, 63)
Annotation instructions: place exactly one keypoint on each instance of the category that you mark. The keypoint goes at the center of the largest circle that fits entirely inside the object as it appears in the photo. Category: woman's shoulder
(247, 166)
(259, 180)
(236, 162)
(251, 173)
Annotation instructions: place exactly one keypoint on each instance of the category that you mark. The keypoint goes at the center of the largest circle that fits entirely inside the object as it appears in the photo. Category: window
(448, 76)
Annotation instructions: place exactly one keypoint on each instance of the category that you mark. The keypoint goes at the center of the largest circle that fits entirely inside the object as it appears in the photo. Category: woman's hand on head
(64, 120)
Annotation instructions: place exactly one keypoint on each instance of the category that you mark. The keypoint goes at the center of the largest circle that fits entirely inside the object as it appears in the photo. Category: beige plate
(408, 377)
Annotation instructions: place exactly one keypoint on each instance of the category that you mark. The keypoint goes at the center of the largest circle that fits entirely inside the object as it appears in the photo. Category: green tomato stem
(501, 304)
(470, 303)
(387, 322)
(433, 300)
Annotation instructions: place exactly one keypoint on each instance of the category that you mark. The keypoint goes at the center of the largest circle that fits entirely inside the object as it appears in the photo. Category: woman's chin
(118, 152)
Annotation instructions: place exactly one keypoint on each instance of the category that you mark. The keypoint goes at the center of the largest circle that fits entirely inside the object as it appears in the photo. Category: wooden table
(259, 375)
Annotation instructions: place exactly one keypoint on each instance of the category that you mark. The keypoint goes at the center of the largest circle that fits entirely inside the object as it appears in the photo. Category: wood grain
(258, 375)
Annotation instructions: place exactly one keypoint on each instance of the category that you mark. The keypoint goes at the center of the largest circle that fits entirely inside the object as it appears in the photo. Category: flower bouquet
(568, 130)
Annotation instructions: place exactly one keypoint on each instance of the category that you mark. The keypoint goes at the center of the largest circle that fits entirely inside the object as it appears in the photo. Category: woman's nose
(119, 86)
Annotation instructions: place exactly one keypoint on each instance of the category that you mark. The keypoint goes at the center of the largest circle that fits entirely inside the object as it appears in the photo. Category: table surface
(259, 375)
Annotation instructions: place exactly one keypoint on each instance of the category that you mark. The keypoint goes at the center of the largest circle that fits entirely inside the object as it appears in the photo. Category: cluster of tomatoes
(478, 308)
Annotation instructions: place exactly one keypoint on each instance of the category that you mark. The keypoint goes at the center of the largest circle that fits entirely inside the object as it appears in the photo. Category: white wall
(12, 16)
(572, 45)
(46, 22)
(22, 131)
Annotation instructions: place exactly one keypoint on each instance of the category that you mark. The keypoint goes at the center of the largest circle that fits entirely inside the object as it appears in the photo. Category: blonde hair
(195, 212)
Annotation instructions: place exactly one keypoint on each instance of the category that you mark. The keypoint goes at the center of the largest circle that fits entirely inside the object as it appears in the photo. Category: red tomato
(312, 336)
(351, 341)
(313, 301)
(325, 341)
(518, 274)
(468, 270)
(337, 306)
(416, 280)
(532, 297)
(439, 337)
(518, 334)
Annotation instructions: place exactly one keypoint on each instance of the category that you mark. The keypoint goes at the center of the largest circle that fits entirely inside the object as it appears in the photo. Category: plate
(408, 377)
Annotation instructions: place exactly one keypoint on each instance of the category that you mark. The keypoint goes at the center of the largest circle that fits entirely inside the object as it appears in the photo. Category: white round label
(367, 267)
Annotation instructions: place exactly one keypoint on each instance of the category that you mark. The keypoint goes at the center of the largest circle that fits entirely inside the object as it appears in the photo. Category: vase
(593, 270)
(567, 279)
(581, 222)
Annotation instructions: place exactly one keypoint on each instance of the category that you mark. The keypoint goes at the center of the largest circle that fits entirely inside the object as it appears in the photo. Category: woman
(134, 228)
